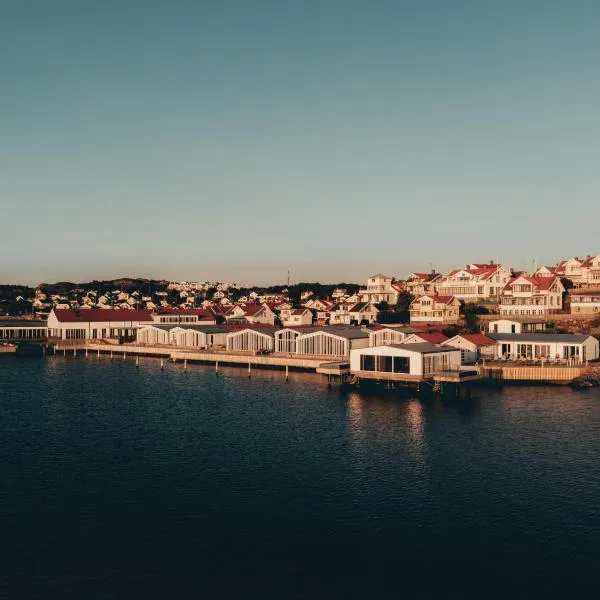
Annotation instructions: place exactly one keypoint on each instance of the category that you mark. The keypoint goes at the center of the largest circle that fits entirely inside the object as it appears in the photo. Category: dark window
(401, 364)
(367, 363)
(385, 364)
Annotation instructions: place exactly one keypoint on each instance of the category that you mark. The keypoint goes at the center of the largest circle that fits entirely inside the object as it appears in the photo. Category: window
(367, 363)
(401, 364)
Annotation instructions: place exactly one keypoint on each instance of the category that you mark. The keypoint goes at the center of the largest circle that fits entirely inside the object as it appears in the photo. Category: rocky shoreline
(589, 380)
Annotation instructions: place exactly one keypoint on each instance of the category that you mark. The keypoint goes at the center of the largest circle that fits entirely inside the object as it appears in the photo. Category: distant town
(482, 311)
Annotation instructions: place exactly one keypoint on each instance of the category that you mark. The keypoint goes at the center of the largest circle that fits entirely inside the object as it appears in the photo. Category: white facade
(475, 283)
(509, 326)
(561, 348)
(435, 309)
(250, 340)
(296, 317)
(531, 296)
(70, 324)
(585, 303)
(379, 288)
(386, 336)
(331, 343)
(416, 360)
(471, 351)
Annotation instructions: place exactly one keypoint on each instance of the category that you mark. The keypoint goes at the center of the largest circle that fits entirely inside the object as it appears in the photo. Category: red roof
(542, 283)
(432, 338)
(96, 315)
(478, 339)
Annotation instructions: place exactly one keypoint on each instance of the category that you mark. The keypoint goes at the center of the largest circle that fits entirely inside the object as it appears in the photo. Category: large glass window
(367, 363)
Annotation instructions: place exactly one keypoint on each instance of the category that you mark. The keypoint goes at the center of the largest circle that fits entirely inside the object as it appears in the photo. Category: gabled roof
(477, 338)
(432, 338)
(542, 283)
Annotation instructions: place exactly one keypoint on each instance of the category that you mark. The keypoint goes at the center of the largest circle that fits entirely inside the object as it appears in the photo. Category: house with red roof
(475, 283)
(435, 309)
(419, 284)
(434, 337)
(472, 346)
(528, 296)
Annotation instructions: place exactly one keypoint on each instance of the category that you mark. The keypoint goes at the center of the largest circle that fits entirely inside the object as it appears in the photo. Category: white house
(359, 313)
(259, 313)
(421, 337)
(562, 347)
(408, 361)
(531, 296)
(475, 283)
(191, 336)
(585, 302)
(419, 284)
(472, 346)
(380, 288)
(296, 317)
(516, 326)
(435, 309)
(583, 272)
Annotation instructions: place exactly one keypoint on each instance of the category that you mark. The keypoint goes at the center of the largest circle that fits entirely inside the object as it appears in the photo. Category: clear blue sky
(235, 139)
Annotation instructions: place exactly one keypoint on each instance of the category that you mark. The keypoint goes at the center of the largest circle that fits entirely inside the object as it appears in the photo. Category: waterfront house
(531, 296)
(434, 309)
(516, 326)
(564, 348)
(286, 339)
(405, 361)
(472, 346)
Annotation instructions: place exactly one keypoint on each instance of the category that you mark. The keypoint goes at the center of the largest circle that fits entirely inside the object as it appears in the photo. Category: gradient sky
(234, 139)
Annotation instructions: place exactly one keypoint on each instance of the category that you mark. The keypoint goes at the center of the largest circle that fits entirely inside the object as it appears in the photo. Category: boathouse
(251, 340)
(409, 362)
(384, 336)
(561, 348)
(332, 341)
(286, 338)
(23, 330)
(92, 323)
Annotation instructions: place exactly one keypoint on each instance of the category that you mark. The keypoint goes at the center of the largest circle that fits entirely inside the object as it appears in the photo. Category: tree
(403, 306)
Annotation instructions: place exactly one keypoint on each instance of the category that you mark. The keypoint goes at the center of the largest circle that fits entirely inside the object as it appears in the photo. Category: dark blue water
(117, 483)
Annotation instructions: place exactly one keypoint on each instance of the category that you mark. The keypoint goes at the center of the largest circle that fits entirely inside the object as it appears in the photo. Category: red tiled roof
(433, 338)
(478, 339)
(96, 315)
(542, 283)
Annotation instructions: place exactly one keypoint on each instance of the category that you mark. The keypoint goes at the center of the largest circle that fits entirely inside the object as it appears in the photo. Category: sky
(234, 140)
